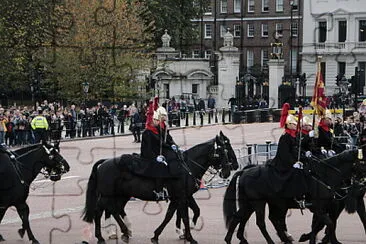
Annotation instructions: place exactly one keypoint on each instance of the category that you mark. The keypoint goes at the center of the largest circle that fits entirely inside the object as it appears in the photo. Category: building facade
(255, 24)
(336, 33)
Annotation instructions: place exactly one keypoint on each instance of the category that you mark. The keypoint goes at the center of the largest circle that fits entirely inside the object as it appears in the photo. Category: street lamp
(85, 85)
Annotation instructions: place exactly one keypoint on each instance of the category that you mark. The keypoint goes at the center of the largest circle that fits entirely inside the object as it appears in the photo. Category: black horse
(192, 204)
(17, 174)
(255, 191)
(349, 198)
(110, 187)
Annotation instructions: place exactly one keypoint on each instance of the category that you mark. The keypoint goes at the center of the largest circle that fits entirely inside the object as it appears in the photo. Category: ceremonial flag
(319, 100)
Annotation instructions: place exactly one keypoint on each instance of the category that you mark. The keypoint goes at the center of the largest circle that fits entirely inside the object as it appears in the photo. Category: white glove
(160, 159)
(174, 147)
(331, 153)
(308, 154)
(311, 133)
(324, 152)
(348, 146)
(298, 165)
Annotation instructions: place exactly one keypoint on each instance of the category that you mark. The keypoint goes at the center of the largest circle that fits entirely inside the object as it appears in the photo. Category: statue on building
(228, 39)
(166, 39)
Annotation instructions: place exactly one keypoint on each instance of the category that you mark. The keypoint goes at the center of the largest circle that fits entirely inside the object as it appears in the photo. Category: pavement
(56, 207)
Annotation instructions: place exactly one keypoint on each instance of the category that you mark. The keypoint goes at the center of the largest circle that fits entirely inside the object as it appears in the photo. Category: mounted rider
(288, 177)
(307, 136)
(158, 146)
(326, 142)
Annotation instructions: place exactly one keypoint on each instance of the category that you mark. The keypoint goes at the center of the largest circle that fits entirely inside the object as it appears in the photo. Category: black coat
(286, 154)
(150, 148)
(326, 140)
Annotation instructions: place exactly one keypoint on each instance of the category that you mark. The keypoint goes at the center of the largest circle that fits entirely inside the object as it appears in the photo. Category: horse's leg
(318, 226)
(334, 214)
(125, 236)
(97, 223)
(242, 222)
(23, 212)
(183, 208)
(195, 208)
(259, 207)
(362, 211)
(330, 226)
(278, 218)
(2, 213)
(168, 216)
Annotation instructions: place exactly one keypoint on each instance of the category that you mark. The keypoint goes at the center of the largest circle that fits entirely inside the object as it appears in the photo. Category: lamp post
(291, 17)
(85, 85)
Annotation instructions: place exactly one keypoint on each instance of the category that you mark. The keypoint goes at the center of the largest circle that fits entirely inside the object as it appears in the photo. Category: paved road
(56, 208)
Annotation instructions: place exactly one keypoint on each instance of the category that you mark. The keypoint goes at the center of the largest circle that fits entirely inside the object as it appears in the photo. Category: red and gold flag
(319, 100)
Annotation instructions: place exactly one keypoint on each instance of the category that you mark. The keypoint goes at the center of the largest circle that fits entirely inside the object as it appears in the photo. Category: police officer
(156, 145)
(39, 125)
(326, 141)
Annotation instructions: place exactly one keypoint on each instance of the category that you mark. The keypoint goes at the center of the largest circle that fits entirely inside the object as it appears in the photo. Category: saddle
(146, 168)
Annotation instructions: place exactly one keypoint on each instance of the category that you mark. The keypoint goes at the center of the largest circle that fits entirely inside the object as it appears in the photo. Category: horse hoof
(289, 237)
(154, 241)
(129, 233)
(182, 237)
(243, 242)
(21, 232)
(2, 238)
(35, 242)
(113, 236)
(194, 242)
(125, 238)
(102, 241)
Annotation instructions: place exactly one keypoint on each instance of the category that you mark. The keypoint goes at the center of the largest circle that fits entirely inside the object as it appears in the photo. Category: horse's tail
(229, 205)
(91, 195)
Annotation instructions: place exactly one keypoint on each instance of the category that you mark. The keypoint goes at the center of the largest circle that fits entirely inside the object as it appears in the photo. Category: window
(250, 59)
(250, 6)
(237, 30)
(322, 31)
(195, 88)
(279, 5)
(208, 31)
(264, 58)
(166, 91)
(196, 54)
(323, 67)
(293, 54)
(342, 68)
(223, 30)
(208, 54)
(208, 10)
(342, 31)
(264, 30)
(294, 29)
(279, 29)
(362, 31)
(250, 30)
(265, 6)
(223, 6)
(295, 4)
(237, 6)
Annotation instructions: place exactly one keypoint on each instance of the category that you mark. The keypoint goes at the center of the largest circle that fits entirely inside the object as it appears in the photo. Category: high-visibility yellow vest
(39, 122)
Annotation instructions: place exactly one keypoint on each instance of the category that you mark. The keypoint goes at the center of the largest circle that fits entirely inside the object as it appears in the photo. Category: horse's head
(221, 153)
(55, 164)
(230, 151)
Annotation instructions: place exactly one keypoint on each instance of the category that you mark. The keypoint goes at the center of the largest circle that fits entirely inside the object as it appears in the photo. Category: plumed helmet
(291, 119)
(328, 114)
(161, 111)
(284, 113)
(306, 120)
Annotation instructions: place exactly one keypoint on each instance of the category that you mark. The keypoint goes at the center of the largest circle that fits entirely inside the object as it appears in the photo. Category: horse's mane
(202, 146)
(25, 150)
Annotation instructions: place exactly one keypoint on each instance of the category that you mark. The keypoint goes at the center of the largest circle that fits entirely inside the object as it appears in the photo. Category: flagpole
(299, 128)
(314, 101)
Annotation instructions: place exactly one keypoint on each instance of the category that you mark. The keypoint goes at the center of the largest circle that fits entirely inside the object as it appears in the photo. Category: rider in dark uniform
(158, 146)
(326, 142)
(307, 137)
(289, 179)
